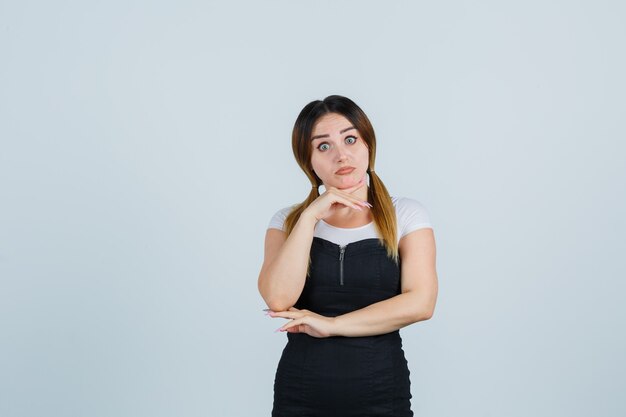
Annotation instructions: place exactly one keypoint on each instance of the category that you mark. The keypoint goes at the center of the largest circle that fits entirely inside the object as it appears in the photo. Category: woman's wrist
(308, 218)
(334, 328)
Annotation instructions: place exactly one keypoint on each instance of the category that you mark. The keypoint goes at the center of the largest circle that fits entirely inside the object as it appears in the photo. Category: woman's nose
(342, 153)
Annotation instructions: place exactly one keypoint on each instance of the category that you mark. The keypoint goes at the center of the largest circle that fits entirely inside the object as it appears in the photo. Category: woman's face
(336, 144)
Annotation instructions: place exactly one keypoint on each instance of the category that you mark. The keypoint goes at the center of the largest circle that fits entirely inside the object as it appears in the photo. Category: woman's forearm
(282, 281)
(384, 316)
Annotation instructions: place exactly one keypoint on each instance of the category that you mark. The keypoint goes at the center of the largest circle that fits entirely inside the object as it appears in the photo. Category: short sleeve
(278, 219)
(412, 215)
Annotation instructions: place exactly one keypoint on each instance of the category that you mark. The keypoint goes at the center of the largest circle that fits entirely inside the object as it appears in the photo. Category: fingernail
(278, 330)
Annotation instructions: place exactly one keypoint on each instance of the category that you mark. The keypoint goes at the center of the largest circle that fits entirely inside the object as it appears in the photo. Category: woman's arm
(283, 273)
(415, 303)
(286, 260)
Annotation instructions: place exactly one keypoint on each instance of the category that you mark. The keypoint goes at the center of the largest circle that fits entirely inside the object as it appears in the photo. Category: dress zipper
(342, 249)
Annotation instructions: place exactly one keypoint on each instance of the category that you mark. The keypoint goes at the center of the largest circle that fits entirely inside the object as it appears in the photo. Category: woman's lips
(345, 170)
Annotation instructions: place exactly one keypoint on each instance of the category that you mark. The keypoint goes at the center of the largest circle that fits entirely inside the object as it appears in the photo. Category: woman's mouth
(345, 170)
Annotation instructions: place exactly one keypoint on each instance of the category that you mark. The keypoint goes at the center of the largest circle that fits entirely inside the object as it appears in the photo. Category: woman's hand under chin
(326, 204)
(305, 321)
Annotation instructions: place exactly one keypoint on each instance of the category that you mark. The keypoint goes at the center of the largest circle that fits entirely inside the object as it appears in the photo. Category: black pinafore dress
(344, 376)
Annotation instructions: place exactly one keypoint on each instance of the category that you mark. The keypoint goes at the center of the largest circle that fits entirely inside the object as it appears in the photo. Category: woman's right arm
(286, 260)
(283, 273)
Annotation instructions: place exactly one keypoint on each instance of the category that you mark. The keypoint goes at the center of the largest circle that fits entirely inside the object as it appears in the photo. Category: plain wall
(145, 146)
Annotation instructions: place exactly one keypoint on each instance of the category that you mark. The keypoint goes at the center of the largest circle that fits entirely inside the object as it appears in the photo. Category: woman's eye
(350, 139)
(323, 147)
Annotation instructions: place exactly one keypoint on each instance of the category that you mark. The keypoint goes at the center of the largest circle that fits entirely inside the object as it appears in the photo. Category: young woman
(349, 267)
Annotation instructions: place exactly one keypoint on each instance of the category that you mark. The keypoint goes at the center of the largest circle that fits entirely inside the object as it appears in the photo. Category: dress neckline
(357, 244)
(347, 228)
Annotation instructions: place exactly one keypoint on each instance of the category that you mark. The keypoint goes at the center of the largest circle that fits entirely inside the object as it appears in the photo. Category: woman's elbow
(278, 304)
(427, 315)
(422, 315)
(276, 301)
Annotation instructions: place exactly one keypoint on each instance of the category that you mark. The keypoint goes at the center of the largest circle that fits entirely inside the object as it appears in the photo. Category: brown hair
(383, 211)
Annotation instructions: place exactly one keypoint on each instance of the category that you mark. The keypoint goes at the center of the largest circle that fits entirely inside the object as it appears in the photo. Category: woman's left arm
(415, 303)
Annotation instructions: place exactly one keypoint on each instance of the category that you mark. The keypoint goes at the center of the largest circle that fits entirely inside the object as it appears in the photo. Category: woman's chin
(347, 183)
(344, 181)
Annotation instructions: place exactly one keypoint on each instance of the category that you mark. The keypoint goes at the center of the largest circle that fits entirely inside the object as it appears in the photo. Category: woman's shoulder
(278, 219)
(406, 203)
(411, 214)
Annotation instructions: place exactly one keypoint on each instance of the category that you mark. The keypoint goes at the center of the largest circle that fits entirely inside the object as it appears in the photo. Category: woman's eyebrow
(327, 136)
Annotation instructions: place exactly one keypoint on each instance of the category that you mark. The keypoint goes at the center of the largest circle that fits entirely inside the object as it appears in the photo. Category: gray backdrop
(145, 146)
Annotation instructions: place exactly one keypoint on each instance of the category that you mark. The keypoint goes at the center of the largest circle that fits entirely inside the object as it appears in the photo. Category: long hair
(383, 211)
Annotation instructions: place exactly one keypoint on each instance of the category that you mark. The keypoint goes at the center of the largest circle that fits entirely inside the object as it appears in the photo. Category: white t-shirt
(411, 215)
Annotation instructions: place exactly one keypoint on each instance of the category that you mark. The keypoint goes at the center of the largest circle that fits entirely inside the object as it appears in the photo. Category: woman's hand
(327, 203)
(305, 321)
